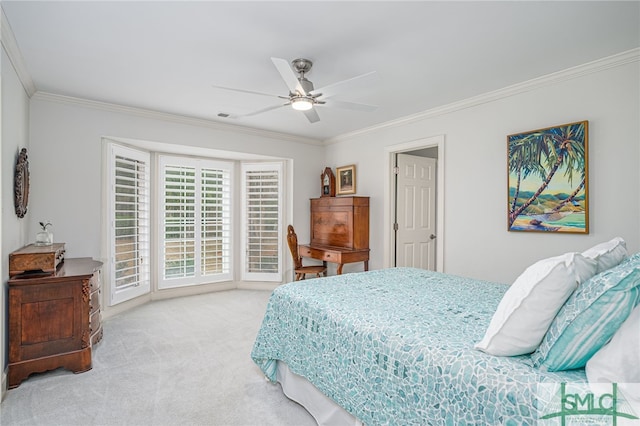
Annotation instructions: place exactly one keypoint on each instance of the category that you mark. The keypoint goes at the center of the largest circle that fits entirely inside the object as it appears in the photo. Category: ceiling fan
(302, 95)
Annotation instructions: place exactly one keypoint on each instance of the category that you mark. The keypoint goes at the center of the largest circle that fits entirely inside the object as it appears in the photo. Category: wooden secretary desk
(339, 231)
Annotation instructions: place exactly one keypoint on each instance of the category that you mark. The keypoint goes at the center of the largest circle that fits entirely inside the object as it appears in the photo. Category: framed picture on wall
(346, 180)
(548, 184)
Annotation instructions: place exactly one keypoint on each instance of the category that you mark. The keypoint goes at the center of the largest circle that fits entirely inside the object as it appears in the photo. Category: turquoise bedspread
(395, 347)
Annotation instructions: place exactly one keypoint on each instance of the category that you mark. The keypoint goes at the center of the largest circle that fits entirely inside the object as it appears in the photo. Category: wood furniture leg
(77, 362)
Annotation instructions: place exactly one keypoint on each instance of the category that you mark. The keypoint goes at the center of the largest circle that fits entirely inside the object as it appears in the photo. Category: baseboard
(194, 290)
(258, 286)
(3, 388)
(109, 311)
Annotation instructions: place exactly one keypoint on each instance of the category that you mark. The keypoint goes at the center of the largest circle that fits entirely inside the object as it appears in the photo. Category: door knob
(432, 237)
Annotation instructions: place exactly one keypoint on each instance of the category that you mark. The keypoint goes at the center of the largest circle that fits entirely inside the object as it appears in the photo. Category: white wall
(476, 241)
(15, 136)
(66, 162)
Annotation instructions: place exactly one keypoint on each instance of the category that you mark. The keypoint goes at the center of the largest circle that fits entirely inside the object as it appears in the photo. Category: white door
(416, 212)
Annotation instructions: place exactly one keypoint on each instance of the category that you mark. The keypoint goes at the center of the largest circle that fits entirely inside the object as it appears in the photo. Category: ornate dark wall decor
(21, 184)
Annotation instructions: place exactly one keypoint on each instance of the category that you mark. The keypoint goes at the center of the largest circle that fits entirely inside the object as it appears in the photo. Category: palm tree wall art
(548, 179)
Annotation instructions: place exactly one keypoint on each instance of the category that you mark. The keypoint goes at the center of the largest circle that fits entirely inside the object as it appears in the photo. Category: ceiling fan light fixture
(302, 103)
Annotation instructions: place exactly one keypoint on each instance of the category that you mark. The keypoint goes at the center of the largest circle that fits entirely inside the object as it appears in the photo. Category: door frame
(390, 196)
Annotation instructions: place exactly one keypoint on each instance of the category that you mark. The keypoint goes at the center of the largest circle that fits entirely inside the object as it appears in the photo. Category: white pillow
(530, 304)
(608, 254)
(619, 360)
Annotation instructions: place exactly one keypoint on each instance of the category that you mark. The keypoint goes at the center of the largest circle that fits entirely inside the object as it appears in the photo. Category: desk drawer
(331, 257)
(305, 251)
(320, 254)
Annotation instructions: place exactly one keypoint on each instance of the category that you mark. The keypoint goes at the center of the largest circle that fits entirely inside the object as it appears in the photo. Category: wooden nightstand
(54, 319)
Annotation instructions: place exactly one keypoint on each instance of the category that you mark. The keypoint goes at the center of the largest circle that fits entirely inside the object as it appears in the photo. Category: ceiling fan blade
(360, 81)
(288, 75)
(251, 92)
(260, 111)
(312, 115)
(351, 105)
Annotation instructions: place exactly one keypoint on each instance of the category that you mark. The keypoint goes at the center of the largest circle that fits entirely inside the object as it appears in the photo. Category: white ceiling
(166, 56)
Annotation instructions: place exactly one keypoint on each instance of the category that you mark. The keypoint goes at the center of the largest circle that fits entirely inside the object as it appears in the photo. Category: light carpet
(183, 361)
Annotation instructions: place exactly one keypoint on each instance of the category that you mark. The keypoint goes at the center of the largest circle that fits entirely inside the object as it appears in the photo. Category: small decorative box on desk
(54, 319)
(36, 258)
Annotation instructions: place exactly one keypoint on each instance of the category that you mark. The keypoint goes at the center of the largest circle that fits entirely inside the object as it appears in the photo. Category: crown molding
(13, 52)
(174, 118)
(596, 66)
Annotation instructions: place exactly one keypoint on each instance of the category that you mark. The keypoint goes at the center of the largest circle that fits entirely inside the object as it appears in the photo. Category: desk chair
(301, 271)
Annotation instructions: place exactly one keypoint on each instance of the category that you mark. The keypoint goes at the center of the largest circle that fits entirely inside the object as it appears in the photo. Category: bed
(396, 346)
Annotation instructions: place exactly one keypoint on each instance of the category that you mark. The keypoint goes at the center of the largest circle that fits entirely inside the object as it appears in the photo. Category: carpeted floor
(183, 361)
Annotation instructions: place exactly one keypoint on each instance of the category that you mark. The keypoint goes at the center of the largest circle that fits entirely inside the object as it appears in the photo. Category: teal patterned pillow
(633, 260)
(590, 317)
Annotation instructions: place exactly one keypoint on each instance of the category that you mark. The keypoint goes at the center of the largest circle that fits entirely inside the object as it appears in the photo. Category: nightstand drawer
(94, 282)
(94, 302)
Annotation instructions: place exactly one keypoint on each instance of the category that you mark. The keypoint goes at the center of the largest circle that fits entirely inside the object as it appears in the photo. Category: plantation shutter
(179, 222)
(129, 230)
(195, 221)
(262, 221)
(215, 218)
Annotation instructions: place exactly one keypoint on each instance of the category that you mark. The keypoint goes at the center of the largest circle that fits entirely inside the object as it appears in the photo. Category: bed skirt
(323, 409)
